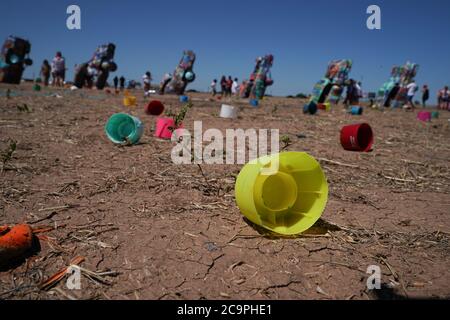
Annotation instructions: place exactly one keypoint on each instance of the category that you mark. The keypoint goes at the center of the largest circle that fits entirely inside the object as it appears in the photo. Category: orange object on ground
(14, 241)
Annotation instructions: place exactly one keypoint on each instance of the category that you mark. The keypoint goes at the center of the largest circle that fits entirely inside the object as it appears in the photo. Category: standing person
(213, 87)
(355, 93)
(122, 83)
(116, 83)
(235, 87)
(350, 93)
(45, 72)
(439, 99)
(412, 88)
(444, 99)
(242, 88)
(229, 85)
(337, 89)
(58, 70)
(359, 91)
(131, 84)
(223, 86)
(425, 95)
(147, 79)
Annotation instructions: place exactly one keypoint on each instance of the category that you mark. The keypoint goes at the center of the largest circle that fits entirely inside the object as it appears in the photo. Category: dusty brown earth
(166, 231)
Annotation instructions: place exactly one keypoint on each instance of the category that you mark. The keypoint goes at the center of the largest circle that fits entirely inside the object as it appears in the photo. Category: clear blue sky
(228, 35)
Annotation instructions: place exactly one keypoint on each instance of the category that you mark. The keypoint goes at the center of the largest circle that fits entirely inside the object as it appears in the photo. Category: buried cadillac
(14, 57)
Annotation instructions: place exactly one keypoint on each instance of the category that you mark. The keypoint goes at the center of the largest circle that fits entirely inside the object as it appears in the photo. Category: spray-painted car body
(330, 88)
(260, 78)
(181, 77)
(14, 56)
(99, 67)
(402, 76)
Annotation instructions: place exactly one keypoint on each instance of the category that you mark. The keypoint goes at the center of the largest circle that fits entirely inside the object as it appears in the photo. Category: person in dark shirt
(122, 83)
(223, 86)
(116, 82)
(229, 84)
(45, 72)
(425, 95)
(351, 93)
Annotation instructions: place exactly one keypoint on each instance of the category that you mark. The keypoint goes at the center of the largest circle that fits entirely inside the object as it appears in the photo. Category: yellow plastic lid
(285, 192)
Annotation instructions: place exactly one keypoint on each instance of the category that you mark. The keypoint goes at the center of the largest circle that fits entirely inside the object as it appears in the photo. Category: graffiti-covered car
(260, 78)
(14, 57)
(181, 77)
(97, 69)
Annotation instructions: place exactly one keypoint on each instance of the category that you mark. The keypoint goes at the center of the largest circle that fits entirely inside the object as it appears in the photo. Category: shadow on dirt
(321, 227)
(388, 293)
(8, 263)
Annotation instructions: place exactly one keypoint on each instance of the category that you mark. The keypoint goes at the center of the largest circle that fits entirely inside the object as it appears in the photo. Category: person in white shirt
(444, 99)
(412, 89)
(235, 86)
(58, 70)
(213, 86)
(147, 79)
(358, 89)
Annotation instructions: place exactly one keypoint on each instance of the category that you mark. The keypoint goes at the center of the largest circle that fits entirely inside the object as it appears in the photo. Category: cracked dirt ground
(170, 232)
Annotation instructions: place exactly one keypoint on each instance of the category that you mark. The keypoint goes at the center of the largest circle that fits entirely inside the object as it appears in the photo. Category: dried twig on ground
(53, 280)
(338, 163)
